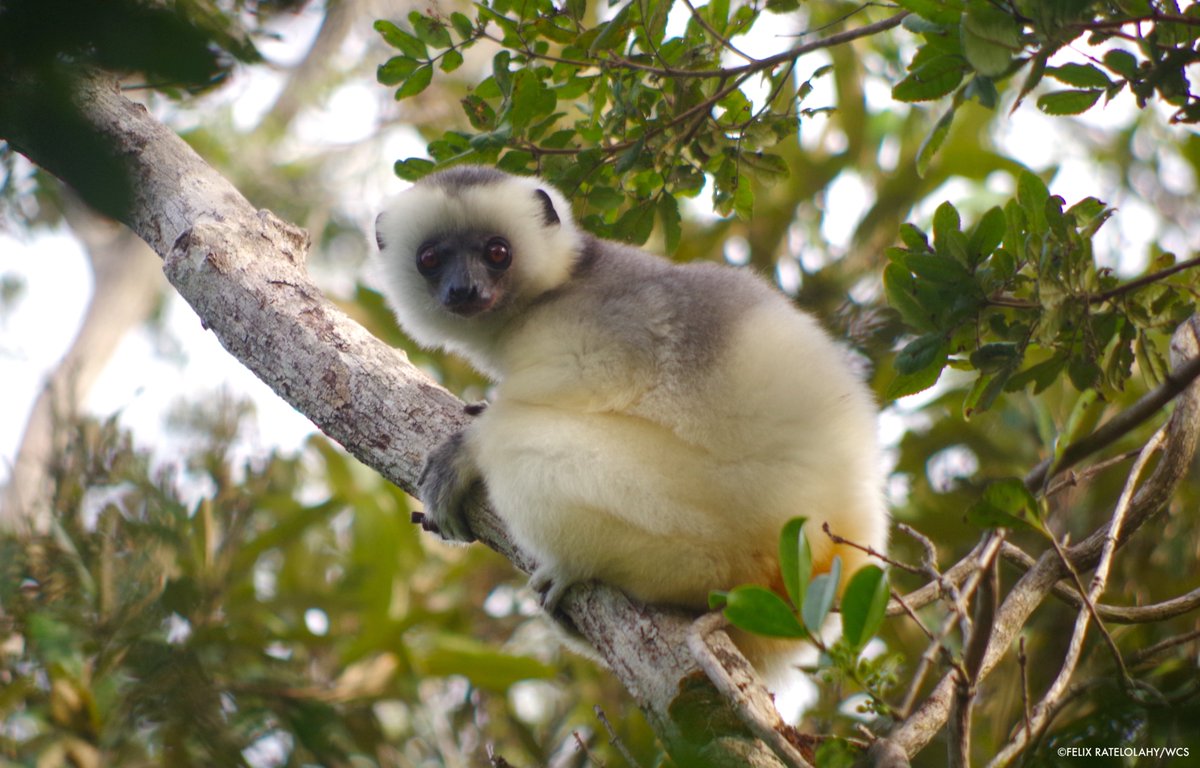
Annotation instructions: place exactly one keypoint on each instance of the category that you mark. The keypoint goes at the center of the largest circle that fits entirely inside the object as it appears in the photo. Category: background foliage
(205, 609)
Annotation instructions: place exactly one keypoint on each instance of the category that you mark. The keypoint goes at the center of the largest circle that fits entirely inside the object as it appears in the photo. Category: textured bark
(243, 271)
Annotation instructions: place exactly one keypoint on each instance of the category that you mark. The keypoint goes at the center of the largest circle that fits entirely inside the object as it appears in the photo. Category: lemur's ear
(549, 215)
(378, 234)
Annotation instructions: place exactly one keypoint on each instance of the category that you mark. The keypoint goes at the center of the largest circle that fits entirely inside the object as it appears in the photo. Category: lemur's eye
(428, 262)
(497, 254)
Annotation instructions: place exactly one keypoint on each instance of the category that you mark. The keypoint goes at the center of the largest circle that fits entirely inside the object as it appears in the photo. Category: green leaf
(462, 25)
(983, 90)
(1037, 69)
(451, 60)
(864, 605)
(899, 289)
(516, 161)
(613, 32)
(669, 219)
(1080, 75)
(795, 559)
(512, 33)
(605, 198)
(418, 81)
(636, 224)
(629, 158)
(1068, 102)
(759, 610)
(1032, 196)
(1083, 373)
(945, 221)
(921, 352)
(1085, 415)
(531, 99)
(479, 112)
(938, 268)
(990, 38)
(933, 142)
(1123, 63)
(919, 365)
(574, 88)
(396, 69)
(932, 80)
(1006, 503)
(398, 38)
(413, 169)
(985, 390)
(992, 357)
(765, 167)
(430, 31)
(818, 599)
(987, 235)
(913, 238)
(501, 74)
(1041, 375)
(943, 12)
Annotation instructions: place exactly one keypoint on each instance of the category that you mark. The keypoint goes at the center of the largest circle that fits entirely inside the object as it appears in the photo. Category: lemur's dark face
(467, 273)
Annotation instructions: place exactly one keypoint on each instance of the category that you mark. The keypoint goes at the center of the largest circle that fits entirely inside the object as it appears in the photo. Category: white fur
(641, 437)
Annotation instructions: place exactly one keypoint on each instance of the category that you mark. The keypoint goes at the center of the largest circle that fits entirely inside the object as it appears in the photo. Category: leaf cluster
(1019, 301)
(810, 599)
(624, 117)
(970, 47)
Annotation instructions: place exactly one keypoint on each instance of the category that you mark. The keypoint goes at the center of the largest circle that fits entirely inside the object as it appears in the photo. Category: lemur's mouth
(472, 306)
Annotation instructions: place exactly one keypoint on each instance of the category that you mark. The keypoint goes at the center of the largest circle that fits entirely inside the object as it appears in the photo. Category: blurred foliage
(275, 611)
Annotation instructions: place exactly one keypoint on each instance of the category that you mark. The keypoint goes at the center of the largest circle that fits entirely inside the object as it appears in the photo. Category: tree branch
(1029, 592)
(736, 680)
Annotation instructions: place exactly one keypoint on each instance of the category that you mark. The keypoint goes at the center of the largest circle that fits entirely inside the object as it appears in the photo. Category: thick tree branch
(243, 271)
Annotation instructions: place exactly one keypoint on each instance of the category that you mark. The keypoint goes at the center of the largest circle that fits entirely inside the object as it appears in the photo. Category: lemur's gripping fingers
(444, 487)
(550, 582)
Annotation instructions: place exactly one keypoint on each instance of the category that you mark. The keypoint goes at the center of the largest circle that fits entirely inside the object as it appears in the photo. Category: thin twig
(1150, 652)
(919, 728)
(1089, 605)
(1023, 663)
(724, 41)
(582, 746)
(1141, 282)
(1113, 614)
(1072, 478)
(1041, 712)
(1118, 426)
(882, 557)
(614, 739)
(757, 65)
